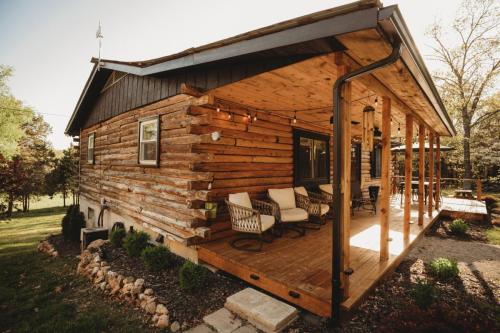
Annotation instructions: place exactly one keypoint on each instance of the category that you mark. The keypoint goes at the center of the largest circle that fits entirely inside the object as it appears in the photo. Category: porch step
(266, 313)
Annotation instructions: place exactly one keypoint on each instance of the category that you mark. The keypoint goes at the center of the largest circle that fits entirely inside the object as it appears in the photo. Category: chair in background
(290, 213)
(359, 201)
(252, 218)
(316, 206)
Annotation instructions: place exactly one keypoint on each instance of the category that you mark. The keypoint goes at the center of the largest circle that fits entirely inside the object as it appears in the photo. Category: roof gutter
(338, 132)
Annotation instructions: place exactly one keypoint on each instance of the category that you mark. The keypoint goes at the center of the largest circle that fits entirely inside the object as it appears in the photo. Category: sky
(49, 43)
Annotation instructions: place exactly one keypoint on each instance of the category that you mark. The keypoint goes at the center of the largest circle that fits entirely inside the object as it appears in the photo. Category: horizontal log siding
(160, 197)
(250, 156)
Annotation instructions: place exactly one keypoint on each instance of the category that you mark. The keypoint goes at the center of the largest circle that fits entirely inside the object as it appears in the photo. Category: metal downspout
(337, 293)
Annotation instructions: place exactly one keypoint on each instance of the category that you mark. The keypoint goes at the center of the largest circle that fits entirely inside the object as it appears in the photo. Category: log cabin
(313, 100)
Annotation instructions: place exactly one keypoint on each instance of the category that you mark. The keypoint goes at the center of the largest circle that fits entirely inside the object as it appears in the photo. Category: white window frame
(91, 145)
(142, 123)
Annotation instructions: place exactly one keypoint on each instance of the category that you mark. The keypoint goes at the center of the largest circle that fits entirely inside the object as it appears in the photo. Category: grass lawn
(493, 235)
(39, 293)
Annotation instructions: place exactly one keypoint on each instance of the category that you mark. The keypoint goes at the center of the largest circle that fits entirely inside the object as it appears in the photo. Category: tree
(12, 116)
(64, 176)
(471, 68)
(13, 178)
(37, 155)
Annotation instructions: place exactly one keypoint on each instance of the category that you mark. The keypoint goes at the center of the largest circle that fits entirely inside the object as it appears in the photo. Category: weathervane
(99, 37)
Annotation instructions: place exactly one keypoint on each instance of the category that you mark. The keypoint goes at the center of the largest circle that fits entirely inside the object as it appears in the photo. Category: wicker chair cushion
(284, 197)
(241, 199)
(328, 188)
(301, 190)
(293, 215)
(267, 221)
(324, 209)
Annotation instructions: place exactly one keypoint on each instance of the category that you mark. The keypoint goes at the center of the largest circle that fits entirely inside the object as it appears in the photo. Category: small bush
(135, 242)
(192, 277)
(72, 223)
(157, 258)
(424, 294)
(116, 237)
(443, 268)
(459, 227)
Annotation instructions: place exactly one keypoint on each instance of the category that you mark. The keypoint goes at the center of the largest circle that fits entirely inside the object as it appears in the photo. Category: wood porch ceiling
(306, 88)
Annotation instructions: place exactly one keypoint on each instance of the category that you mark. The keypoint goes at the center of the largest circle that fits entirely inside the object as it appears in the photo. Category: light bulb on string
(255, 117)
(230, 116)
(295, 117)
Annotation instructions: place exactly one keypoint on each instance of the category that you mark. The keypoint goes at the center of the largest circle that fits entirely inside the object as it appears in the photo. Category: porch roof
(329, 26)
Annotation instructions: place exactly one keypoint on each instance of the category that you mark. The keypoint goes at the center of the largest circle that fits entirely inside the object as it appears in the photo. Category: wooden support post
(438, 172)
(385, 189)
(421, 173)
(408, 175)
(430, 202)
(345, 211)
(479, 189)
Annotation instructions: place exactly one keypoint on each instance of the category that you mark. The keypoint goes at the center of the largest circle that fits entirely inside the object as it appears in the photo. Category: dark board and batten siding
(133, 91)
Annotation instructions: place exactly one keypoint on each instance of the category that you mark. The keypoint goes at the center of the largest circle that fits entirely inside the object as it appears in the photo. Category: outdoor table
(414, 186)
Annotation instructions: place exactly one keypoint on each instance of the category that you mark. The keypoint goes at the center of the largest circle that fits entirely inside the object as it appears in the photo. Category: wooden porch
(298, 270)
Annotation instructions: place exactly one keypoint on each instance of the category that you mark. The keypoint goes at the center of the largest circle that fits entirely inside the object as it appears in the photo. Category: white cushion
(241, 199)
(301, 190)
(284, 197)
(267, 221)
(324, 209)
(328, 188)
(293, 215)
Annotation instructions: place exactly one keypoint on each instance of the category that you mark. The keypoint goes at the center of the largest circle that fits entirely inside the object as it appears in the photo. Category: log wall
(160, 198)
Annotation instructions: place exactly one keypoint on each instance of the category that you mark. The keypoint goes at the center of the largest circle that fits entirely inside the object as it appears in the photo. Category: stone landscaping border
(44, 246)
(128, 288)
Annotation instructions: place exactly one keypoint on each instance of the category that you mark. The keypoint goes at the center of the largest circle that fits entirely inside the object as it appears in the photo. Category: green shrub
(116, 237)
(157, 258)
(424, 294)
(192, 277)
(459, 227)
(443, 268)
(72, 223)
(135, 242)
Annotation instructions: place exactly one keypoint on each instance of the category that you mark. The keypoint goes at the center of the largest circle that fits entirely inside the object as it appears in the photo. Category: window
(90, 148)
(149, 141)
(376, 162)
(311, 158)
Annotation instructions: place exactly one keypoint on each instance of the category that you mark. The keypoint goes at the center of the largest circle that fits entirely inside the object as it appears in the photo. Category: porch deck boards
(303, 265)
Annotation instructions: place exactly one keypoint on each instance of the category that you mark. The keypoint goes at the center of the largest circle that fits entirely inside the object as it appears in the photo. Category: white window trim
(142, 123)
(91, 139)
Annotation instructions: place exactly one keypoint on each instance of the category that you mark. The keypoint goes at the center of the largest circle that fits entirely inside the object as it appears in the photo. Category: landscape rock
(163, 321)
(161, 309)
(175, 326)
(148, 292)
(150, 307)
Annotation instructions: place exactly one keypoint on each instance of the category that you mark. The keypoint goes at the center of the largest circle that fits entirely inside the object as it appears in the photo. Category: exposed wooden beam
(430, 202)
(408, 175)
(385, 179)
(438, 172)
(345, 211)
(421, 173)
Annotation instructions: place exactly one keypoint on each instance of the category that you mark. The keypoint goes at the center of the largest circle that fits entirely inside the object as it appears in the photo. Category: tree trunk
(467, 162)
(11, 205)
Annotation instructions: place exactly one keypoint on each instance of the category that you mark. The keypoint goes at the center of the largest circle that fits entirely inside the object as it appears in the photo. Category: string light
(295, 117)
(376, 101)
(255, 117)
(399, 128)
(218, 108)
(230, 116)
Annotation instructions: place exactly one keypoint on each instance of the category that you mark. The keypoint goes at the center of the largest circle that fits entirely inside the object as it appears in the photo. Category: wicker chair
(252, 218)
(326, 191)
(360, 201)
(290, 210)
(317, 208)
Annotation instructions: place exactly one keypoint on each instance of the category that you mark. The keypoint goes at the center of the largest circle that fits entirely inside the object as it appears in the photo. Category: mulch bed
(391, 308)
(188, 308)
(64, 247)
(476, 231)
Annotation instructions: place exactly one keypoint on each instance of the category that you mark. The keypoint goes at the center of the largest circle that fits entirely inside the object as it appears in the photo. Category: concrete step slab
(223, 321)
(266, 313)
